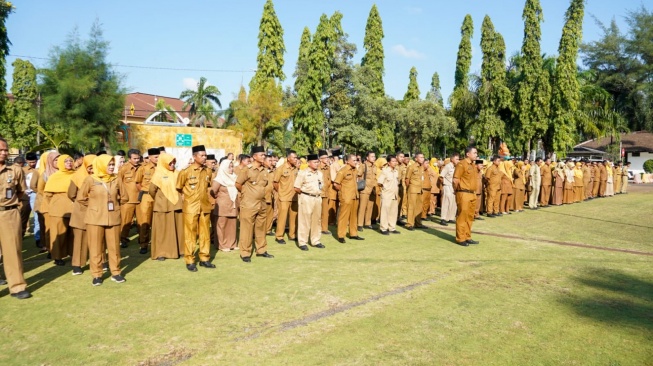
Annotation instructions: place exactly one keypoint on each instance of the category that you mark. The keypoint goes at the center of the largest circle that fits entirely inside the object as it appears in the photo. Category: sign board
(184, 139)
(623, 152)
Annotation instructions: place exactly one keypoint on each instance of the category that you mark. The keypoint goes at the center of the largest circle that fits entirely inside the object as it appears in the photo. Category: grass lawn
(413, 298)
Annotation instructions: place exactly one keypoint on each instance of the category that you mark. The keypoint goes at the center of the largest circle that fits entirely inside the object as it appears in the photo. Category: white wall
(637, 162)
(184, 154)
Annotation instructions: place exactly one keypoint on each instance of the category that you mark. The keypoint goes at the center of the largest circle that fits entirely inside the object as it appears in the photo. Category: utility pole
(38, 118)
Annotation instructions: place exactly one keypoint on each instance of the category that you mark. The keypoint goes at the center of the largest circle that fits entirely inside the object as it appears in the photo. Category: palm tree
(167, 114)
(201, 102)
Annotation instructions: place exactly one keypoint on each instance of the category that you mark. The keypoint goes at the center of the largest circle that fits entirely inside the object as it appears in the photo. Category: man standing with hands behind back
(535, 183)
(284, 179)
(464, 181)
(308, 185)
(367, 172)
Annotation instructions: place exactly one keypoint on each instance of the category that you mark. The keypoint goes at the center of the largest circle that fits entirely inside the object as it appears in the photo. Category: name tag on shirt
(9, 193)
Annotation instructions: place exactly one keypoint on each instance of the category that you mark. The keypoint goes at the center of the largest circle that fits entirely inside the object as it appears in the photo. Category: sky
(173, 43)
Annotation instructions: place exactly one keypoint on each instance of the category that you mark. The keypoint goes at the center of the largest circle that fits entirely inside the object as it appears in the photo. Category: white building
(636, 148)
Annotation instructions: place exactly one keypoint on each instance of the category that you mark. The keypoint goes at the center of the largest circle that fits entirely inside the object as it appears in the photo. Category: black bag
(140, 195)
(362, 183)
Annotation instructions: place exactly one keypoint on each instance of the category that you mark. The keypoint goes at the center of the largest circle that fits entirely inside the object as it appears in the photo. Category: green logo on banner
(184, 139)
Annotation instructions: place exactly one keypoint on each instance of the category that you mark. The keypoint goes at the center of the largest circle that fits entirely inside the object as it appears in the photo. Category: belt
(426, 189)
(465, 191)
(7, 208)
(312, 195)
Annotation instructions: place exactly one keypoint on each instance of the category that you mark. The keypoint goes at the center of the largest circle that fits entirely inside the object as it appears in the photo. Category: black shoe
(49, 255)
(479, 218)
(21, 295)
(401, 223)
(161, 259)
(326, 233)
(246, 259)
(369, 227)
(207, 264)
(443, 223)
(410, 228)
(452, 221)
(420, 227)
(265, 255)
(105, 267)
(303, 247)
(280, 241)
(124, 244)
(489, 215)
(463, 244)
(118, 279)
(356, 237)
(319, 245)
(191, 267)
(38, 244)
(59, 262)
(341, 240)
(270, 233)
(97, 281)
(77, 271)
(3, 282)
(143, 251)
(292, 239)
(385, 232)
(360, 228)
(403, 217)
(470, 241)
(395, 232)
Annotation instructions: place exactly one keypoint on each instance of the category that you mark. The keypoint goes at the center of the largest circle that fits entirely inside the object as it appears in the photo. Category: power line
(148, 67)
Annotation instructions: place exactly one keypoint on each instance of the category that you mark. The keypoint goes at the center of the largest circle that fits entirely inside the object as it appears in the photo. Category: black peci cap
(153, 151)
(322, 153)
(198, 148)
(257, 149)
(312, 157)
(30, 156)
(210, 157)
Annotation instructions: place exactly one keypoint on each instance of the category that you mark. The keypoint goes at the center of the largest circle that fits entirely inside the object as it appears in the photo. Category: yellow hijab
(43, 162)
(380, 163)
(165, 179)
(578, 172)
(434, 165)
(504, 167)
(609, 169)
(100, 166)
(81, 173)
(520, 167)
(59, 182)
(303, 165)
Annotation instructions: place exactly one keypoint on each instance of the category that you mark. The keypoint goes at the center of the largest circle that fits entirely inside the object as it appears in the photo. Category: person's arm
(72, 191)
(84, 192)
(215, 187)
(181, 181)
(241, 179)
(299, 180)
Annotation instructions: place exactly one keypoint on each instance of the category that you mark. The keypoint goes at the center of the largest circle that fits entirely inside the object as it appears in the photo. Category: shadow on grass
(614, 297)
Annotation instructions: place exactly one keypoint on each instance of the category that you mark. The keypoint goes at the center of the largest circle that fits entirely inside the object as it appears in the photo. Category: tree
(421, 123)
(435, 93)
(464, 58)
(533, 94)
(167, 114)
(82, 94)
(412, 94)
(5, 9)
(201, 102)
(374, 56)
(464, 102)
(271, 48)
(566, 95)
(22, 112)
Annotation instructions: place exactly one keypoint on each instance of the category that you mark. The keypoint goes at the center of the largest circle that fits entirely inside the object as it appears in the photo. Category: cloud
(189, 83)
(401, 50)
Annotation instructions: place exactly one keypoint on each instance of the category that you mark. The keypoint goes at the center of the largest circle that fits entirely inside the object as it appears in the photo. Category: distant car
(631, 173)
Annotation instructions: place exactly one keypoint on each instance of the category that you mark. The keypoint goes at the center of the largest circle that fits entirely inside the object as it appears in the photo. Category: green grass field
(414, 298)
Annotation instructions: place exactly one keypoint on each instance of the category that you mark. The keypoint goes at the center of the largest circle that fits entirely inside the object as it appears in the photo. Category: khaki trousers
(588, 190)
(518, 194)
(466, 206)
(96, 246)
(426, 203)
(60, 237)
(197, 225)
(545, 196)
(532, 199)
(325, 214)
(227, 232)
(434, 203)
(127, 212)
(348, 217)
(493, 198)
(11, 248)
(448, 209)
(602, 186)
(624, 184)
(269, 217)
(252, 226)
(477, 211)
(504, 204)
(365, 209)
(25, 211)
(414, 209)
(595, 188)
(80, 248)
(389, 209)
(309, 220)
(617, 184)
(287, 209)
(403, 196)
(146, 207)
(333, 212)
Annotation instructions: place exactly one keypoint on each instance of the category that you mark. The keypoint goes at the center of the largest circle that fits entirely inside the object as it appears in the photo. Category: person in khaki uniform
(427, 187)
(28, 171)
(587, 180)
(345, 184)
(43, 200)
(448, 208)
(519, 186)
(284, 179)
(212, 164)
(367, 172)
(101, 194)
(413, 181)
(251, 182)
(479, 189)
(269, 196)
(146, 205)
(56, 190)
(325, 169)
(167, 218)
(603, 177)
(617, 177)
(12, 188)
(493, 187)
(31, 180)
(401, 171)
(547, 182)
(193, 182)
(336, 165)
(127, 177)
(228, 201)
(624, 178)
(80, 239)
(434, 175)
(388, 182)
(309, 186)
(465, 181)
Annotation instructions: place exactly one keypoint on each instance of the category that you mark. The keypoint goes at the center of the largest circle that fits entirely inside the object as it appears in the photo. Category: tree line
(530, 100)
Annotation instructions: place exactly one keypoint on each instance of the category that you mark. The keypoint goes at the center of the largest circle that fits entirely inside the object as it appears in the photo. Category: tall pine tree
(464, 104)
(464, 58)
(5, 9)
(566, 90)
(271, 48)
(22, 113)
(412, 94)
(435, 93)
(374, 56)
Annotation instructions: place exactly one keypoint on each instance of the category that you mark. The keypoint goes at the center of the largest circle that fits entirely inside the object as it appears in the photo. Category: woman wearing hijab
(569, 184)
(559, 183)
(519, 184)
(37, 177)
(101, 195)
(609, 185)
(226, 194)
(578, 183)
(60, 208)
(167, 218)
(80, 242)
(434, 175)
(506, 186)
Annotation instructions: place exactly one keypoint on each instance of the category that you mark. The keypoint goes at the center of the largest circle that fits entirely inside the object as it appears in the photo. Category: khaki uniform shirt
(367, 171)
(269, 189)
(285, 176)
(402, 169)
(127, 175)
(12, 186)
(335, 167)
(253, 182)
(545, 172)
(493, 177)
(389, 181)
(346, 177)
(310, 182)
(447, 174)
(194, 182)
(96, 197)
(144, 176)
(326, 177)
(434, 177)
(415, 175)
(466, 174)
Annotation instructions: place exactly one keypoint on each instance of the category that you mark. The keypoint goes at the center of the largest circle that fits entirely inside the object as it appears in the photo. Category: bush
(648, 166)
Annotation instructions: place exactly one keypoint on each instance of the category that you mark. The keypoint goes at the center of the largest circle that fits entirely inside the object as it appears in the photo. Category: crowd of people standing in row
(85, 206)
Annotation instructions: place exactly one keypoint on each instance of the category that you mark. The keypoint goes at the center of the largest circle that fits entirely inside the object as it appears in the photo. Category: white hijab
(227, 180)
